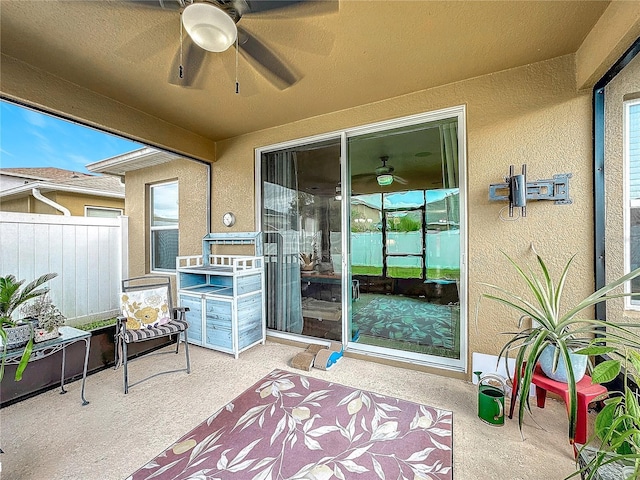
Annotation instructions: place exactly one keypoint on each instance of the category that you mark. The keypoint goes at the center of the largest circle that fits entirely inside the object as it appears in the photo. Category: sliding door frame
(460, 364)
(458, 112)
(258, 212)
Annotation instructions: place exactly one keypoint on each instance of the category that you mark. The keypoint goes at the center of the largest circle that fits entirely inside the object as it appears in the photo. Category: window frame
(120, 211)
(154, 228)
(630, 303)
(599, 197)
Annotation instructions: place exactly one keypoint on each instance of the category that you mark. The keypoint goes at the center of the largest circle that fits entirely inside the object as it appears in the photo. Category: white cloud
(79, 160)
(34, 118)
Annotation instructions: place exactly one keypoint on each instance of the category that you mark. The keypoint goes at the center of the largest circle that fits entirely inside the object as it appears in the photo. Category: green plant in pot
(560, 330)
(617, 425)
(13, 294)
(46, 315)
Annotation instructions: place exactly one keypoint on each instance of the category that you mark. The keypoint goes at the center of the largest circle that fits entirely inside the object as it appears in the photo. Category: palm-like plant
(553, 326)
(12, 295)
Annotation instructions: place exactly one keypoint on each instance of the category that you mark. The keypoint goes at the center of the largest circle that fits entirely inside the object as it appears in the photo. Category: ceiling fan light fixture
(384, 180)
(209, 26)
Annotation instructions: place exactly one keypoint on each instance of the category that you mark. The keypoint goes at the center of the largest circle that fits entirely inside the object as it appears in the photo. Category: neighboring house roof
(42, 173)
(135, 160)
(10, 172)
(106, 183)
(56, 179)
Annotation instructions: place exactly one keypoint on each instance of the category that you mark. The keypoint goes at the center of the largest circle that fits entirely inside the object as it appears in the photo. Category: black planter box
(44, 374)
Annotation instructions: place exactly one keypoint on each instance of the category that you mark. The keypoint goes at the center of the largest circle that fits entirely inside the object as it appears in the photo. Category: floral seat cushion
(145, 309)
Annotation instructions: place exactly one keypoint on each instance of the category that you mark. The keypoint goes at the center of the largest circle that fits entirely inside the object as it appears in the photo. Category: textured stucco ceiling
(345, 53)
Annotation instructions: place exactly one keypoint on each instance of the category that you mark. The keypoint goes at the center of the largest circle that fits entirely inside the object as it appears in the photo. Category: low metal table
(68, 335)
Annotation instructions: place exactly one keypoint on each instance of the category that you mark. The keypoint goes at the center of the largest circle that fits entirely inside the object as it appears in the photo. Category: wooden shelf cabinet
(225, 297)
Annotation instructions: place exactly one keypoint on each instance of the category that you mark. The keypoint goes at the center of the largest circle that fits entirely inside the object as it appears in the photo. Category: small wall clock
(228, 219)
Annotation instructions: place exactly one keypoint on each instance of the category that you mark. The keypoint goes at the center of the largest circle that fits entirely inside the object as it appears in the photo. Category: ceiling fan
(212, 25)
(383, 174)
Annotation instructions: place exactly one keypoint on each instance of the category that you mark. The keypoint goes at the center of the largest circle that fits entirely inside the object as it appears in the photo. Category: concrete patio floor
(52, 436)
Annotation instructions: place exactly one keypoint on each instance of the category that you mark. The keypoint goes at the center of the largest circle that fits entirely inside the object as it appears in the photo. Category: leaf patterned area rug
(406, 318)
(289, 426)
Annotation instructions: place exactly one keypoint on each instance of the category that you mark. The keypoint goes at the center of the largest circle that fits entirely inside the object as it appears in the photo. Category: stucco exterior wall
(76, 203)
(615, 31)
(193, 185)
(626, 82)
(42, 208)
(531, 115)
(20, 205)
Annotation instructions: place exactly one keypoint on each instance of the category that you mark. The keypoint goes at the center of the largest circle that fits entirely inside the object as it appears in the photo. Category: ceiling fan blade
(248, 83)
(304, 7)
(362, 176)
(265, 61)
(192, 59)
(400, 180)
(163, 4)
(258, 6)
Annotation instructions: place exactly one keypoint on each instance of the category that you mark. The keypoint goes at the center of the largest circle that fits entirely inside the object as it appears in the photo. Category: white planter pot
(578, 363)
(42, 334)
(17, 336)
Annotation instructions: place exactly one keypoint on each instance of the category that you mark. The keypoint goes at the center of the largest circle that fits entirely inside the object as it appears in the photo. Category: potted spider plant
(564, 331)
(13, 294)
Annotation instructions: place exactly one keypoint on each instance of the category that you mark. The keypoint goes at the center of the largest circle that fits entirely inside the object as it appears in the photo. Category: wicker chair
(147, 314)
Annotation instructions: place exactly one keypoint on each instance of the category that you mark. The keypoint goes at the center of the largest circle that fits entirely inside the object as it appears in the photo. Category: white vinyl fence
(88, 254)
(442, 248)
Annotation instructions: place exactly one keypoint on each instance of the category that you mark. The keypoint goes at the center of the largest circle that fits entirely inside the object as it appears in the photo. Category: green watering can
(491, 398)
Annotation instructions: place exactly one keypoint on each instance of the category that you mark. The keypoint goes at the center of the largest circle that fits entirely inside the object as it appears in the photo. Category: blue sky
(32, 139)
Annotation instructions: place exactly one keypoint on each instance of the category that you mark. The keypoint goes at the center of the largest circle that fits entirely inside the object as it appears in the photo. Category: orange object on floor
(587, 393)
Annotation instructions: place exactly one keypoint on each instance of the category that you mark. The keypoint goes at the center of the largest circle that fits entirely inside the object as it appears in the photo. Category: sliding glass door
(406, 254)
(394, 284)
(302, 226)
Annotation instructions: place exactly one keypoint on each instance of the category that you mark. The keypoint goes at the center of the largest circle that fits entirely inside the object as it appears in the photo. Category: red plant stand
(587, 393)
